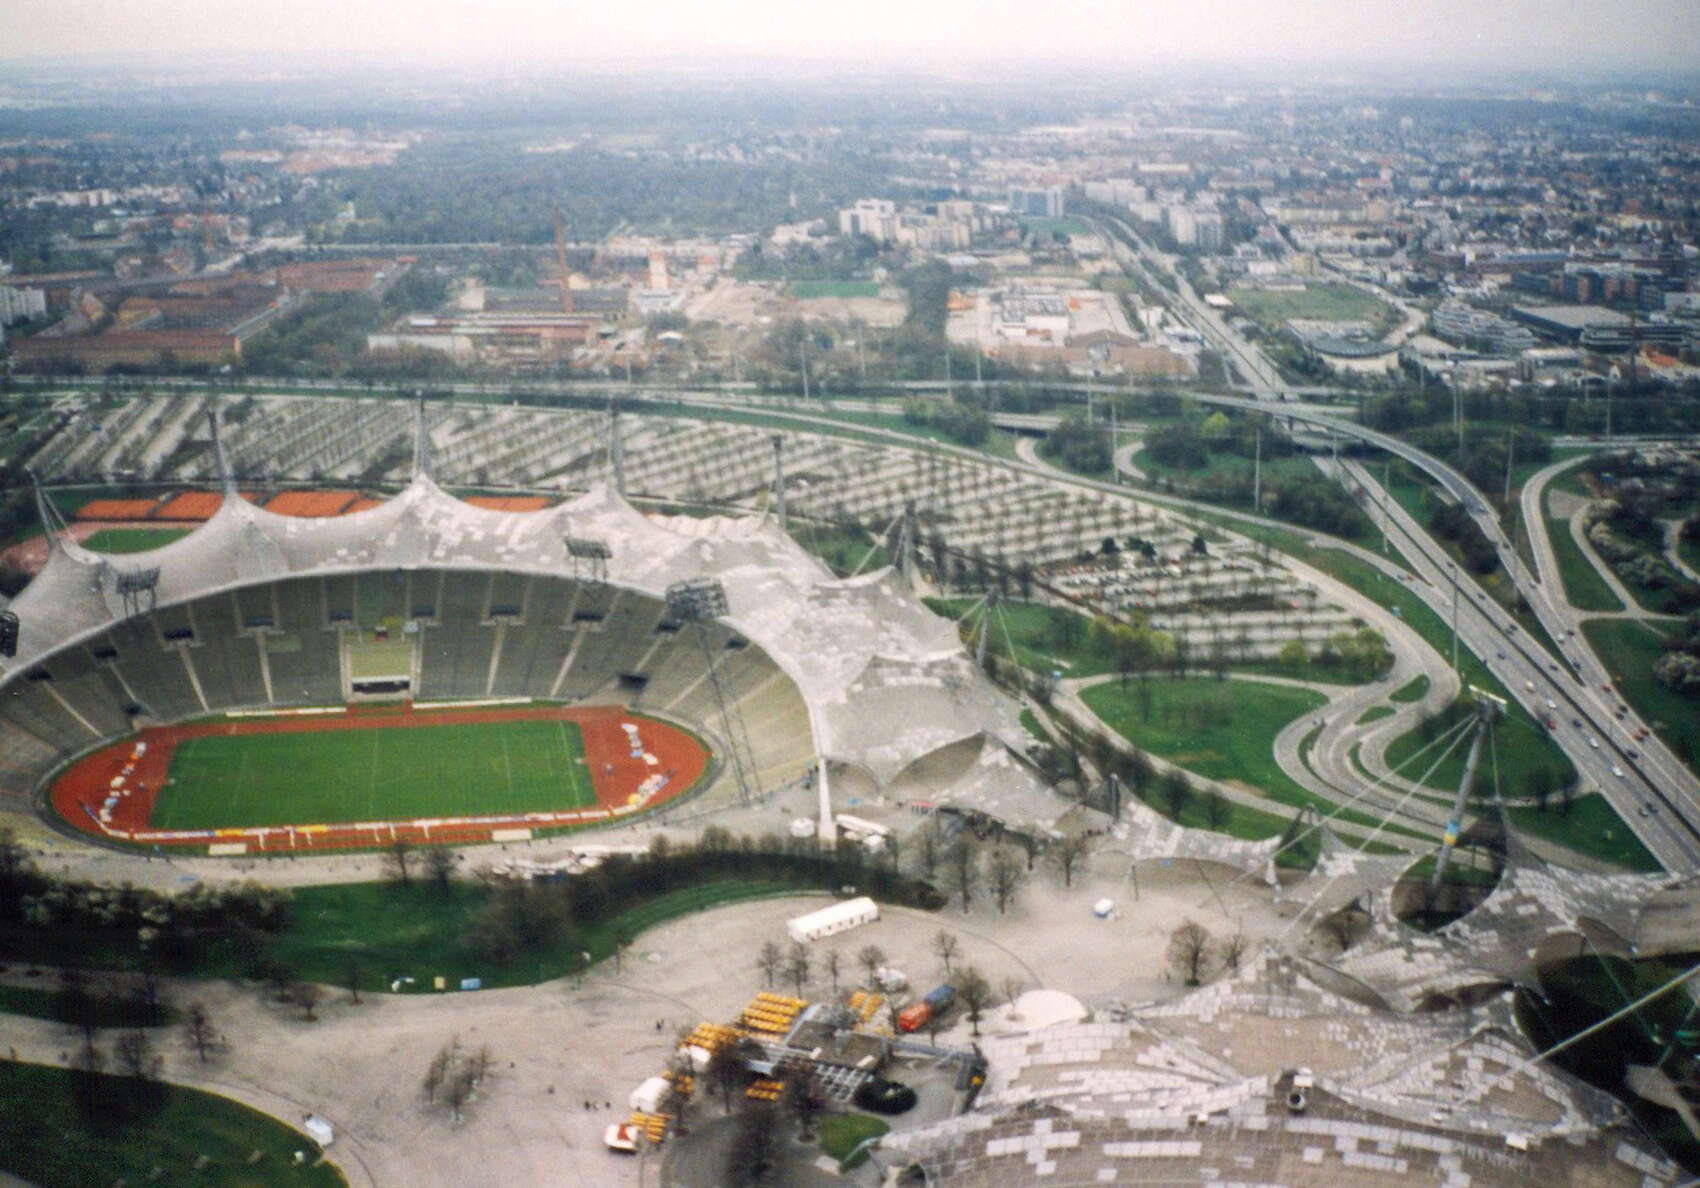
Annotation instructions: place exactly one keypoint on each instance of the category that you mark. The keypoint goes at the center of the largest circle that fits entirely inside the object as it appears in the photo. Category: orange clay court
(369, 776)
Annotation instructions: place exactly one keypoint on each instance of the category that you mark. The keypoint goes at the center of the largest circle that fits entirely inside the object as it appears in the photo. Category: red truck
(917, 1014)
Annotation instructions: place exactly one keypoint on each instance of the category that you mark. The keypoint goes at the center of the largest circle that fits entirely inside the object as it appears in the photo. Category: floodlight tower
(221, 460)
(616, 453)
(589, 557)
(779, 478)
(138, 588)
(421, 438)
(1488, 710)
(986, 627)
(698, 601)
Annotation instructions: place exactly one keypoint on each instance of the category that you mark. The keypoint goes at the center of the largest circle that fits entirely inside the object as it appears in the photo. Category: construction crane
(561, 262)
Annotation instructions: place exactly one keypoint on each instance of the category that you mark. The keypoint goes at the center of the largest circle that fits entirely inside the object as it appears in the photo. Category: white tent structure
(885, 682)
(847, 914)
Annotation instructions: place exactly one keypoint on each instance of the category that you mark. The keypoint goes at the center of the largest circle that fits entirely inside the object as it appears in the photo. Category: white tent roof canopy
(885, 680)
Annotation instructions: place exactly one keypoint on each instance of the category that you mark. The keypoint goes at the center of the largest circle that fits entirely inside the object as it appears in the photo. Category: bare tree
(1189, 951)
(1217, 809)
(453, 1077)
(1006, 874)
(832, 962)
(437, 1072)
(1067, 853)
(136, 1056)
(398, 861)
(1233, 951)
(1012, 987)
(975, 993)
(928, 850)
(804, 1097)
(870, 958)
(725, 1073)
(798, 965)
(769, 961)
(753, 1155)
(306, 996)
(963, 868)
(352, 971)
(199, 1032)
(459, 1088)
(1177, 792)
(440, 867)
(946, 947)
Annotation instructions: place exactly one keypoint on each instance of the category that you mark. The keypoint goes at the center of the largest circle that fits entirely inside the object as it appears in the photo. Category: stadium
(470, 674)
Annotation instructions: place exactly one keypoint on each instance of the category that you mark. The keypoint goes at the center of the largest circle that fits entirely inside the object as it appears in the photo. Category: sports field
(814, 289)
(451, 769)
(1327, 302)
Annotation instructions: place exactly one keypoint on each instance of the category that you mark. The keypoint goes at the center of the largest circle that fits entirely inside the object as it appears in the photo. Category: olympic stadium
(783, 670)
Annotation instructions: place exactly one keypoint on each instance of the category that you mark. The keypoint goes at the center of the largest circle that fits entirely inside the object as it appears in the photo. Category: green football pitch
(331, 776)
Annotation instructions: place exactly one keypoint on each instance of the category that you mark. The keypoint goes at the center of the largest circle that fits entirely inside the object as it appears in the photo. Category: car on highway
(1576, 722)
(1618, 772)
(1633, 753)
(1551, 704)
(1595, 743)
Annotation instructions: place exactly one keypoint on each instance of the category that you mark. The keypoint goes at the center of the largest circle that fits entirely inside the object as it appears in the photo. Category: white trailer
(838, 917)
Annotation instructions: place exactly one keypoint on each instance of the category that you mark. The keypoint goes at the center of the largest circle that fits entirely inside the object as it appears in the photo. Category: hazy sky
(1557, 33)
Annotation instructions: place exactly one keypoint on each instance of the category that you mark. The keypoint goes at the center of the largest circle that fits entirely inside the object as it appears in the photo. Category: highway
(1547, 690)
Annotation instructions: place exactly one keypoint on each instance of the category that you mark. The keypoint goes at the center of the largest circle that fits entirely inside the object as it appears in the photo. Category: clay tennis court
(634, 763)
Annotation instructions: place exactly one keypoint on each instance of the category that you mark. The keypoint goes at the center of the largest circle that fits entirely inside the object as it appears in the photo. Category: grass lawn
(133, 540)
(1627, 649)
(1520, 744)
(839, 1134)
(1223, 463)
(1583, 585)
(1044, 637)
(45, 1139)
(43, 1002)
(845, 552)
(1374, 714)
(1413, 690)
(807, 290)
(1590, 818)
(1688, 552)
(372, 775)
(1047, 637)
(387, 931)
(1325, 302)
(1065, 224)
(1221, 730)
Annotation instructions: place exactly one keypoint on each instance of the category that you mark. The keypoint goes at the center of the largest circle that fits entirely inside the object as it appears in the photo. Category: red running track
(85, 790)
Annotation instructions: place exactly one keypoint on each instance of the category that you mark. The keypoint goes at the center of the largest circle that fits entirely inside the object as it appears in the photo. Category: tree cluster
(1452, 521)
(1078, 445)
(962, 422)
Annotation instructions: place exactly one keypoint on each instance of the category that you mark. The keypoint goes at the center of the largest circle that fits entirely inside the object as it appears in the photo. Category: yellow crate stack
(652, 1126)
(711, 1037)
(866, 1004)
(764, 1090)
(771, 1014)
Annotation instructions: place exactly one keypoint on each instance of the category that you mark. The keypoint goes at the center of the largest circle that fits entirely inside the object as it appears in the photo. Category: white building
(836, 918)
(19, 304)
(874, 217)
